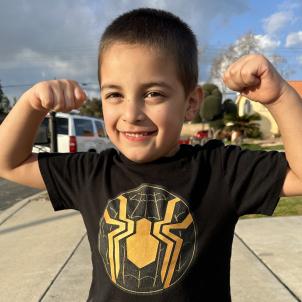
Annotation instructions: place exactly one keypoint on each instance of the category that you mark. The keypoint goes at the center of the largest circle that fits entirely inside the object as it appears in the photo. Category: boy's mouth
(138, 136)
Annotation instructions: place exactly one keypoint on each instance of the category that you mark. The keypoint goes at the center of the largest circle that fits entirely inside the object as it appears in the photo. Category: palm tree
(246, 124)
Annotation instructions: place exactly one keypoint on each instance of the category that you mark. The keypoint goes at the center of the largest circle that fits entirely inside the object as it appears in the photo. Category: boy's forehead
(144, 85)
(123, 52)
(121, 59)
(124, 45)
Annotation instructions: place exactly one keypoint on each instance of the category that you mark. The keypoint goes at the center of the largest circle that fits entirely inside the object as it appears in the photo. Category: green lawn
(258, 147)
(288, 206)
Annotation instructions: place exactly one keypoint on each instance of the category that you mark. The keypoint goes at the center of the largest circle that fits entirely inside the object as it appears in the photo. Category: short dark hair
(157, 29)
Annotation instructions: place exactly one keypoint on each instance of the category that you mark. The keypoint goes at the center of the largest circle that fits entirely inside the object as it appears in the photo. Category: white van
(75, 133)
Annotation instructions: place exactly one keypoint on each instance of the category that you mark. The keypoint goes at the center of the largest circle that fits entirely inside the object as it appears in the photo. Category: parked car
(200, 137)
(184, 140)
(75, 133)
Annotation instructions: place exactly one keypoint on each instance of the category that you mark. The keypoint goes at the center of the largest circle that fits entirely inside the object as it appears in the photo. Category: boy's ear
(193, 101)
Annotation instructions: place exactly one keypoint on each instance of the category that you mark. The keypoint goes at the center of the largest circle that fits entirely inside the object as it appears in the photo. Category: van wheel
(92, 150)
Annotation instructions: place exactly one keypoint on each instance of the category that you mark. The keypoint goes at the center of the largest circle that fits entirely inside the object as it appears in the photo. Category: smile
(138, 136)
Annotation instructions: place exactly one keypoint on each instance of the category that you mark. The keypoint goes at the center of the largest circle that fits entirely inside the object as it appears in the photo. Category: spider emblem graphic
(147, 239)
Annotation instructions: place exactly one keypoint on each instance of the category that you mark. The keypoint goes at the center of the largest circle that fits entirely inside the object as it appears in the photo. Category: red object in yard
(184, 140)
(72, 144)
(201, 134)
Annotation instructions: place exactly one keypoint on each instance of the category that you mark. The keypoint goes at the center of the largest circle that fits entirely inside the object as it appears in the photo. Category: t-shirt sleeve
(254, 179)
(66, 176)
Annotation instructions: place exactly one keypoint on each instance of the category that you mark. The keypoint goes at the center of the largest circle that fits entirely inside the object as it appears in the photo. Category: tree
(4, 102)
(1, 92)
(211, 107)
(15, 100)
(246, 44)
(92, 107)
(246, 124)
(230, 109)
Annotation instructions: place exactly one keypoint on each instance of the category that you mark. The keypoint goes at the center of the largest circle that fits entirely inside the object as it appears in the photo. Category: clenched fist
(256, 78)
(56, 95)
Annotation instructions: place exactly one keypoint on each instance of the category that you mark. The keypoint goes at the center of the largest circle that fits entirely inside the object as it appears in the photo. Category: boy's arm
(17, 133)
(18, 130)
(254, 77)
(287, 112)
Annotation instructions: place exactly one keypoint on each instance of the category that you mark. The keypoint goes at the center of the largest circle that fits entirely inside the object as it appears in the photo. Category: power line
(32, 84)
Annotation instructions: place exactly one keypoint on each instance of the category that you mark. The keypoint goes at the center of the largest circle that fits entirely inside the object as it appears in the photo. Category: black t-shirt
(163, 231)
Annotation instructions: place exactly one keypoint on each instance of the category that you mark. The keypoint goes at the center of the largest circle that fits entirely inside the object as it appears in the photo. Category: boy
(160, 218)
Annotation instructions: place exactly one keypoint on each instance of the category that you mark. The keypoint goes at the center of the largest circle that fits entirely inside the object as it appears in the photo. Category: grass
(287, 206)
(258, 147)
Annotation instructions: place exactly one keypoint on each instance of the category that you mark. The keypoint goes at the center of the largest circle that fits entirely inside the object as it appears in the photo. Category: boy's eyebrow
(146, 85)
(110, 86)
(157, 83)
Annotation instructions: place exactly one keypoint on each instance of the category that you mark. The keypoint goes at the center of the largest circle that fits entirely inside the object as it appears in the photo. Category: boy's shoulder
(213, 144)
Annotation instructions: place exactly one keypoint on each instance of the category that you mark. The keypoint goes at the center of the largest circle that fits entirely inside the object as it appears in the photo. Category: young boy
(160, 217)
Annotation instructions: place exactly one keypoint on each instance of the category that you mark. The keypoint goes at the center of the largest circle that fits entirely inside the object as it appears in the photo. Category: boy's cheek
(109, 116)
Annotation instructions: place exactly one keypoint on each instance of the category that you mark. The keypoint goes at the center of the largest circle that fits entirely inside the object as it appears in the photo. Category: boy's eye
(113, 96)
(153, 95)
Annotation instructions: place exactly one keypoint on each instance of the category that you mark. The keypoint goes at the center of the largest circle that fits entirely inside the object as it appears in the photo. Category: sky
(42, 40)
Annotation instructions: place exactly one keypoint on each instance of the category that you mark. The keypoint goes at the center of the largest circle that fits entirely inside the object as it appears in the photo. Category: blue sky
(56, 39)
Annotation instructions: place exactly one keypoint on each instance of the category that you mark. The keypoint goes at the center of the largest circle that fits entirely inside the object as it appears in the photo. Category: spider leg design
(170, 243)
(116, 235)
(166, 230)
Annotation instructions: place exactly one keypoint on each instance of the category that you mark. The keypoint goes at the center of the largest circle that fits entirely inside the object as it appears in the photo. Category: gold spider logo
(147, 239)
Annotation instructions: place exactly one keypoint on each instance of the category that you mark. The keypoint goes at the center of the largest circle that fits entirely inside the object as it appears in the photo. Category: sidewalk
(44, 256)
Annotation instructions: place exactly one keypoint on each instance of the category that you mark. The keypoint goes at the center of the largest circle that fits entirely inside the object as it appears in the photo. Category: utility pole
(53, 132)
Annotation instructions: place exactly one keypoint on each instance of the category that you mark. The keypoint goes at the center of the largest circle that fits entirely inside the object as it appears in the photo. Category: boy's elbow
(29, 176)
(4, 169)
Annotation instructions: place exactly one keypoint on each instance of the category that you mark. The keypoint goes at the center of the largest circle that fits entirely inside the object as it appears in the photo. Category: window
(247, 107)
(43, 134)
(100, 129)
(83, 127)
(62, 125)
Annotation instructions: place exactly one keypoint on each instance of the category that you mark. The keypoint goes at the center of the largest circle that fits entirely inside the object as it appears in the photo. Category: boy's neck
(172, 153)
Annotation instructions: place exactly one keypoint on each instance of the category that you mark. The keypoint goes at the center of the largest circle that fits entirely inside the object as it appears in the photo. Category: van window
(43, 135)
(62, 125)
(83, 127)
(100, 129)
(61, 122)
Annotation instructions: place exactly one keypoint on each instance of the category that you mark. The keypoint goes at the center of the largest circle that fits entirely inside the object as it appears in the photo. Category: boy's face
(144, 102)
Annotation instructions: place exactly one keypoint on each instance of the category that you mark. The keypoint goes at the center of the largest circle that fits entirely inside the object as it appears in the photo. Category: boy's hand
(256, 78)
(55, 95)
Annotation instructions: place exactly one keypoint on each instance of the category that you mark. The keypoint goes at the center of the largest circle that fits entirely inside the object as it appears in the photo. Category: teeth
(137, 134)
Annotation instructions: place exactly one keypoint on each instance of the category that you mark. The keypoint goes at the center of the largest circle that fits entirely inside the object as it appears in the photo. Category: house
(268, 126)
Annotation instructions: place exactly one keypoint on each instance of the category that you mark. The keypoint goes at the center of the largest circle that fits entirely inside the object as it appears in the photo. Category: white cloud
(46, 39)
(274, 23)
(294, 39)
(266, 42)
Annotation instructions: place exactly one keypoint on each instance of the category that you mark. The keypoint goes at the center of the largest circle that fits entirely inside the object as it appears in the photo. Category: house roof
(297, 85)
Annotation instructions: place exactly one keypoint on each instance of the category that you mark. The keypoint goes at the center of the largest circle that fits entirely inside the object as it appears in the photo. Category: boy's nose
(132, 112)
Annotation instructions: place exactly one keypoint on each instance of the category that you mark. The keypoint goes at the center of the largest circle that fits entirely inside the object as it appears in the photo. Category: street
(11, 193)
